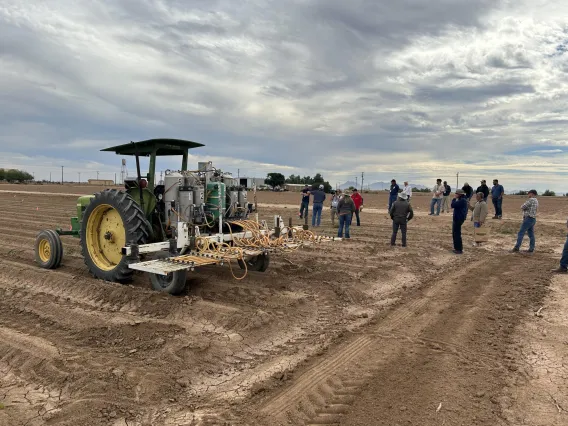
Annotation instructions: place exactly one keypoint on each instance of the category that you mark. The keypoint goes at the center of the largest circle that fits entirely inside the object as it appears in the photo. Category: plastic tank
(243, 201)
(215, 195)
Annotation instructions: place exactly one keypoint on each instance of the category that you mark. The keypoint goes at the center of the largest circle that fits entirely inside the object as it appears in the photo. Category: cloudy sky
(411, 89)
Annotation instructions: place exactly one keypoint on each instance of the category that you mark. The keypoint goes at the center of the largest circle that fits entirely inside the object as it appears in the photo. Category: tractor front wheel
(111, 221)
(48, 249)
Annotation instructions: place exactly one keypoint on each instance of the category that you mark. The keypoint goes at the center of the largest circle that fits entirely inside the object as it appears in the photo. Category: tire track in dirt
(302, 402)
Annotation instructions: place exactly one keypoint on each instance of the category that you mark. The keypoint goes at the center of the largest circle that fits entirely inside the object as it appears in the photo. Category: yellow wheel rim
(105, 237)
(44, 250)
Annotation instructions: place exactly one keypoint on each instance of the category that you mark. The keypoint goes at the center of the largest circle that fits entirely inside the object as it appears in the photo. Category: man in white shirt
(437, 196)
(407, 190)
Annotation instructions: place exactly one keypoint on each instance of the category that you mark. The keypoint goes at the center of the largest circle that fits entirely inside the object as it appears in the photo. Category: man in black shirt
(446, 199)
(305, 201)
(484, 189)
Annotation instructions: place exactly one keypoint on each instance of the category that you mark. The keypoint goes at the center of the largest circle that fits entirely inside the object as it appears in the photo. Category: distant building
(101, 182)
(294, 187)
(248, 182)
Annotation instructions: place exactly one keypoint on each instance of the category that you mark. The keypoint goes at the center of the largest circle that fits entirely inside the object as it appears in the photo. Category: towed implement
(190, 219)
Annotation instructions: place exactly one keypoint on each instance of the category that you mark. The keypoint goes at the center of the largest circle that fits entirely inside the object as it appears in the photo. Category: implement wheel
(48, 249)
(112, 220)
(173, 283)
(256, 263)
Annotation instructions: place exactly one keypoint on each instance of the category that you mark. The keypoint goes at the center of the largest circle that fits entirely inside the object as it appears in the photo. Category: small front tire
(173, 283)
(256, 263)
(48, 249)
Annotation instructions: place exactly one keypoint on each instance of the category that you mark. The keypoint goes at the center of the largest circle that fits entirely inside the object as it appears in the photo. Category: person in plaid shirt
(529, 209)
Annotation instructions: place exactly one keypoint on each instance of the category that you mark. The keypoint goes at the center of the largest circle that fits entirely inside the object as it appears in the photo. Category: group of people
(343, 206)
(401, 212)
(442, 191)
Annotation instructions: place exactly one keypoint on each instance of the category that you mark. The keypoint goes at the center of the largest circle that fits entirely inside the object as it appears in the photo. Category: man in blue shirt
(304, 206)
(393, 195)
(497, 193)
(460, 206)
(319, 198)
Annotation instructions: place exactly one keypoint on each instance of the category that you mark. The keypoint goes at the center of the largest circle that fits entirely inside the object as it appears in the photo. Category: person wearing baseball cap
(529, 209)
(401, 213)
(483, 188)
(460, 206)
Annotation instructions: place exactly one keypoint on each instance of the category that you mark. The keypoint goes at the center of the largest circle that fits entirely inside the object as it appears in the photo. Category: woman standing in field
(480, 211)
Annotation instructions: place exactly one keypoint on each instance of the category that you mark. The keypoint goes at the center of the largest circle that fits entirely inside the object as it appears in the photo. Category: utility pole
(79, 178)
(362, 177)
(61, 175)
(457, 180)
(49, 177)
(115, 178)
(356, 182)
(97, 175)
(238, 173)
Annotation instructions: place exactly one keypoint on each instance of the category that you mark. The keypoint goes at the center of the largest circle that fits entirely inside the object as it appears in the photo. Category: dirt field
(347, 333)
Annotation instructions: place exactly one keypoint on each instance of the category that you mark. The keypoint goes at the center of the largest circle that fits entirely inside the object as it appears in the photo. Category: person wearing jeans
(529, 209)
(319, 198)
(316, 213)
(460, 206)
(345, 209)
(437, 196)
(497, 192)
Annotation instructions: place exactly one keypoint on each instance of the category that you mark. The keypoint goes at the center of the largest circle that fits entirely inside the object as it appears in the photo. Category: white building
(248, 182)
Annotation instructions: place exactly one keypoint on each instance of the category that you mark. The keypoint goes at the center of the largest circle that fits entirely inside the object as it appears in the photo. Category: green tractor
(119, 228)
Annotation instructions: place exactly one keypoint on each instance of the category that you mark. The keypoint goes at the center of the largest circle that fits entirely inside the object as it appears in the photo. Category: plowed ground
(353, 332)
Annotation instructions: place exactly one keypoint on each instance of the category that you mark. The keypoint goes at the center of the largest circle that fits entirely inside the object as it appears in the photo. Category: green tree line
(13, 175)
(278, 179)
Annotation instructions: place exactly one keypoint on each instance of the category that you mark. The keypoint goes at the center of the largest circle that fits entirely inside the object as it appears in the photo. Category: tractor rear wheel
(111, 221)
(48, 249)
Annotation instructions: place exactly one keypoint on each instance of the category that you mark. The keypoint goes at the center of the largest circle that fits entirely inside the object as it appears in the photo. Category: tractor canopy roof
(159, 146)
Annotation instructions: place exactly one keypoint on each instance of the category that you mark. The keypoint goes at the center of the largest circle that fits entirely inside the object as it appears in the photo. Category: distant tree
(420, 190)
(522, 192)
(13, 175)
(2, 174)
(275, 179)
(294, 179)
(549, 193)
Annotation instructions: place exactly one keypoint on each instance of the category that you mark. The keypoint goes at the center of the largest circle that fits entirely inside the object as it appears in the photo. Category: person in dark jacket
(345, 210)
(460, 206)
(484, 189)
(401, 213)
(394, 190)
